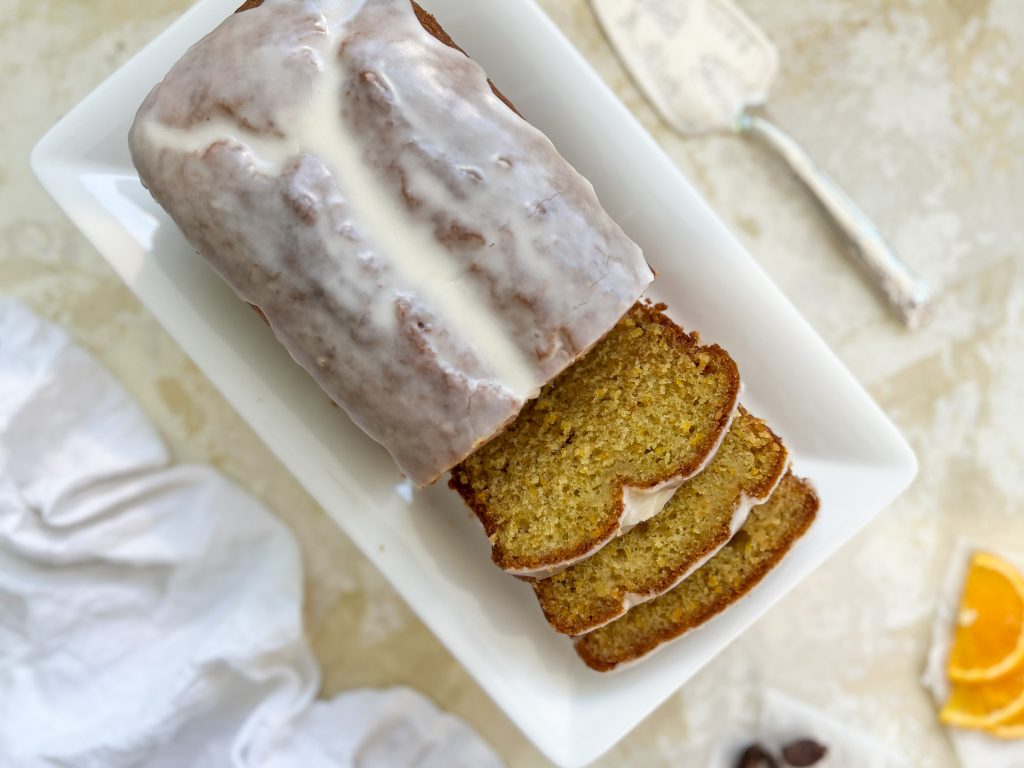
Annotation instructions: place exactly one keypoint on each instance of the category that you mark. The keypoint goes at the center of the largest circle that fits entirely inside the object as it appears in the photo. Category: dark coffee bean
(803, 753)
(756, 756)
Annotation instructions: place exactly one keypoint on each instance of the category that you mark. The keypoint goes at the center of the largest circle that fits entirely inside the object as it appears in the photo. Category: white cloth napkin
(975, 749)
(150, 615)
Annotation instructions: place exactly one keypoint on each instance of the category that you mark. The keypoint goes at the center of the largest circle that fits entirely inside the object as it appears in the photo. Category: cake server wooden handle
(906, 293)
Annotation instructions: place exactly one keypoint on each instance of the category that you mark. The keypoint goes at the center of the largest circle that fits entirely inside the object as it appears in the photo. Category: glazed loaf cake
(419, 248)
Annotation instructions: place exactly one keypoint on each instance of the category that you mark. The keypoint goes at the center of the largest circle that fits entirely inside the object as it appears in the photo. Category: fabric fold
(150, 614)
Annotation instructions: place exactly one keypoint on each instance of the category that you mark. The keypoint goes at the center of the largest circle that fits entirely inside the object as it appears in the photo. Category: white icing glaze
(700, 62)
(418, 256)
(641, 504)
(420, 249)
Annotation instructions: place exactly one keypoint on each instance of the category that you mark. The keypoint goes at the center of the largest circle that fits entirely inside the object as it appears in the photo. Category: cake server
(705, 66)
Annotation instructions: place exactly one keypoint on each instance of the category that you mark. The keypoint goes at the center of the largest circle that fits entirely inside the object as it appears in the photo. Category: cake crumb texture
(656, 554)
(648, 403)
(757, 547)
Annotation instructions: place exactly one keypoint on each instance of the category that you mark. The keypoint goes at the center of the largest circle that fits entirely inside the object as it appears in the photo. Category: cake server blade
(705, 66)
(700, 63)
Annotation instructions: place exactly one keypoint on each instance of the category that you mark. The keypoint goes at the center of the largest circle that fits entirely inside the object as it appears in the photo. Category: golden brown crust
(613, 606)
(690, 342)
(801, 516)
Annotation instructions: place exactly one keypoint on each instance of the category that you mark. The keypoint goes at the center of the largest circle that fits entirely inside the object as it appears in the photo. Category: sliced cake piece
(657, 554)
(759, 545)
(603, 447)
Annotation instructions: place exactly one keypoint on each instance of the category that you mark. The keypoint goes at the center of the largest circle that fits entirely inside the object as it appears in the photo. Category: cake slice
(759, 545)
(603, 447)
(659, 553)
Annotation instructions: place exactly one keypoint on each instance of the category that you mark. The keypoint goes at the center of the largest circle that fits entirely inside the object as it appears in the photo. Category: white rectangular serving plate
(426, 543)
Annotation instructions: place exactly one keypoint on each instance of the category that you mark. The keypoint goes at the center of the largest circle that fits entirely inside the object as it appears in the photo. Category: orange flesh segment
(986, 665)
(989, 639)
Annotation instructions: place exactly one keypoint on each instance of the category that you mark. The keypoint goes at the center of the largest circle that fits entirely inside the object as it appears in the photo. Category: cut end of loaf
(648, 403)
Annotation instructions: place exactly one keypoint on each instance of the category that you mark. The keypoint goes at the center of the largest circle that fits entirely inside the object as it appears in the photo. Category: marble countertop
(915, 107)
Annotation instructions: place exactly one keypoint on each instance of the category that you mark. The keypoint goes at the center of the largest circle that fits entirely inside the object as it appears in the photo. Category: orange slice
(1011, 729)
(986, 705)
(989, 639)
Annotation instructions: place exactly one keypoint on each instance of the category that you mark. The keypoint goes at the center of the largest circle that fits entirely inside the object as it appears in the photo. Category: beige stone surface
(916, 107)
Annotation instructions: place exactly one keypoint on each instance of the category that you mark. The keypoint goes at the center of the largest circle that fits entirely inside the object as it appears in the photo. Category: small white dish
(426, 543)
